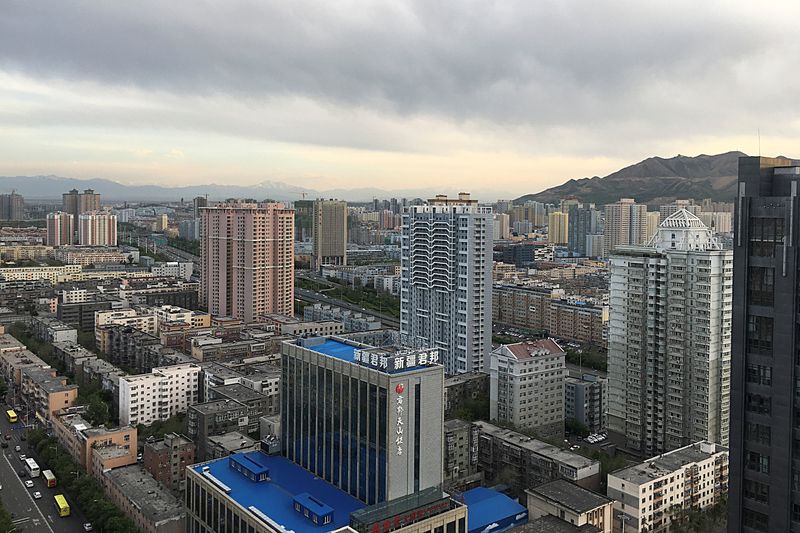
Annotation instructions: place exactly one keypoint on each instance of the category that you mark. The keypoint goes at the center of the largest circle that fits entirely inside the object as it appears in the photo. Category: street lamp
(623, 518)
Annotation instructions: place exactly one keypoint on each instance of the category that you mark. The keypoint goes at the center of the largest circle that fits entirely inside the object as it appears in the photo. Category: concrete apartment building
(172, 313)
(670, 339)
(91, 255)
(230, 443)
(166, 459)
(462, 388)
(141, 318)
(165, 392)
(60, 229)
(647, 496)
(572, 503)
(97, 229)
(625, 223)
(211, 418)
(247, 258)
(446, 280)
(521, 462)
(51, 330)
(174, 269)
(257, 404)
(128, 347)
(79, 438)
(540, 309)
(526, 386)
(558, 228)
(13, 362)
(583, 222)
(75, 203)
(329, 233)
(46, 392)
(12, 206)
(461, 454)
(653, 221)
(765, 392)
(144, 500)
(586, 401)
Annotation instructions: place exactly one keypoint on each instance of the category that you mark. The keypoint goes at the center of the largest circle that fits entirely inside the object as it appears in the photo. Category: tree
(97, 412)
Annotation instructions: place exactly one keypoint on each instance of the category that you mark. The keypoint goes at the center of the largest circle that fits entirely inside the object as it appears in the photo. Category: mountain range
(654, 181)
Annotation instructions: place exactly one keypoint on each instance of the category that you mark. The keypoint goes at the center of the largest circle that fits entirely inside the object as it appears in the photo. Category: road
(29, 514)
(311, 296)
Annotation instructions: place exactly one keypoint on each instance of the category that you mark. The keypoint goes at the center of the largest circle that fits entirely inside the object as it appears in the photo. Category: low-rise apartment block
(141, 318)
(461, 389)
(13, 362)
(461, 454)
(151, 506)
(165, 392)
(79, 438)
(166, 460)
(52, 330)
(258, 404)
(215, 417)
(572, 503)
(649, 495)
(129, 347)
(586, 401)
(71, 354)
(174, 269)
(527, 386)
(167, 314)
(521, 462)
(229, 443)
(46, 392)
(90, 255)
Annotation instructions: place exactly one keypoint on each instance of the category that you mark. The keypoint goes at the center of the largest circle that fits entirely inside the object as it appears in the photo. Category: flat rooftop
(553, 524)
(487, 506)
(274, 497)
(155, 502)
(237, 392)
(10, 343)
(668, 463)
(570, 495)
(215, 406)
(370, 356)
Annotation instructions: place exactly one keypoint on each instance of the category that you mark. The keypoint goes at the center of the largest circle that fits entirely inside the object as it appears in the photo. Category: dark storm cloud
(646, 66)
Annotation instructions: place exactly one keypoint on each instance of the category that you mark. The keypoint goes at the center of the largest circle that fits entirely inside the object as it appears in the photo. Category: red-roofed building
(526, 382)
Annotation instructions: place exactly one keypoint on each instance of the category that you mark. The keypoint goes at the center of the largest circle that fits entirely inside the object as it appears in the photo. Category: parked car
(87, 526)
(17, 448)
(28, 484)
(22, 457)
(37, 495)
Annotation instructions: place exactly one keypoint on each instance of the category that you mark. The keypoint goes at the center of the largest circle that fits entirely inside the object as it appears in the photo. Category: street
(314, 297)
(29, 514)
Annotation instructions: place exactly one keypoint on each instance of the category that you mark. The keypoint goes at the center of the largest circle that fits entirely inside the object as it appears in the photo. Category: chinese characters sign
(396, 362)
(398, 441)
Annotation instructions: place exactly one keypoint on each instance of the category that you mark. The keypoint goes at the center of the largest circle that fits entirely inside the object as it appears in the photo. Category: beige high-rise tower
(247, 258)
(558, 227)
(626, 223)
(329, 233)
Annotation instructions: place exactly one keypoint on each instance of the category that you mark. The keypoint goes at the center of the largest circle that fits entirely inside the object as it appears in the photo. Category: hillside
(655, 180)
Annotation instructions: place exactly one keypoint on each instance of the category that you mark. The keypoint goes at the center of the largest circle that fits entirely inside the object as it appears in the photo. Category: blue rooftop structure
(337, 349)
(489, 511)
(274, 499)
(388, 360)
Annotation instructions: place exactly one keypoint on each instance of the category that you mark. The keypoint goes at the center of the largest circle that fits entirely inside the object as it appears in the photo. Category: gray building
(466, 389)
(461, 455)
(216, 417)
(258, 404)
(446, 280)
(368, 420)
(582, 221)
(329, 233)
(765, 391)
(585, 401)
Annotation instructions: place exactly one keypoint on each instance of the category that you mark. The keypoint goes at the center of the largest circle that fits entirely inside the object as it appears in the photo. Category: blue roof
(275, 498)
(251, 462)
(492, 511)
(335, 348)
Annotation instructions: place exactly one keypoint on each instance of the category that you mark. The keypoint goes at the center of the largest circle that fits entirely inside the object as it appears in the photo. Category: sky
(498, 97)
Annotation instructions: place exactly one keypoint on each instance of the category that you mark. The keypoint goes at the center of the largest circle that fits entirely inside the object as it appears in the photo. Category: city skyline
(468, 95)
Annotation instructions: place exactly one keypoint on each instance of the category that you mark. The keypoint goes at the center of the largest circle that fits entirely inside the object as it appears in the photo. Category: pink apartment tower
(247, 257)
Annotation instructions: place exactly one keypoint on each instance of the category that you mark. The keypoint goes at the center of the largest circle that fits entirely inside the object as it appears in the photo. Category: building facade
(765, 392)
(625, 223)
(558, 228)
(526, 382)
(12, 206)
(446, 280)
(97, 229)
(165, 392)
(166, 459)
(586, 401)
(329, 233)
(669, 339)
(247, 258)
(378, 416)
(76, 203)
(60, 229)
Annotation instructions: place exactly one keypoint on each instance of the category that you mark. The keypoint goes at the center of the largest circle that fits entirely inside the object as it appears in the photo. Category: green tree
(97, 412)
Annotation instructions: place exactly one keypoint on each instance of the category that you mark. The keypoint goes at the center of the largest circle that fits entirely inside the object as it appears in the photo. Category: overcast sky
(501, 96)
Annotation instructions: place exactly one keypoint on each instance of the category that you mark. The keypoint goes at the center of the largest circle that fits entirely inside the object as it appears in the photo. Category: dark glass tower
(764, 490)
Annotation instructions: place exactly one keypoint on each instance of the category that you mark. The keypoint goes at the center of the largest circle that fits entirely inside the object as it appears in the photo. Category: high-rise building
(329, 232)
(198, 203)
(60, 229)
(669, 338)
(12, 206)
(162, 222)
(446, 273)
(581, 223)
(368, 420)
(626, 223)
(501, 227)
(668, 209)
(75, 203)
(558, 227)
(765, 388)
(247, 259)
(526, 386)
(97, 229)
(653, 221)
(303, 220)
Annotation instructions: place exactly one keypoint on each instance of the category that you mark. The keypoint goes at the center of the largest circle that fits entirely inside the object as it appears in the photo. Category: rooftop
(232, 441)
(487, 506)
(111, 451)
(668, 463)
(570, 495)
(388, 359)
(274, 498)
(531, 349)
(153, 500)
(542, 448)
(455, 424)
(237, 392)
(463, 378)
(9, 343)
(215, 406)
(553, 524)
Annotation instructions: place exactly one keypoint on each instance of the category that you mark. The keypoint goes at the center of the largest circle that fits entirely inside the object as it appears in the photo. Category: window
(759, 374)
(761, 285)
(758, 492)
(755, 520)
(759, 334)
(757, 462)
(765, 234)
(756, 403)
(757, 433)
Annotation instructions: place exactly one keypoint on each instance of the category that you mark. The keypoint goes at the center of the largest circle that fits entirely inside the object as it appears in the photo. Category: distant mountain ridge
(656, 180)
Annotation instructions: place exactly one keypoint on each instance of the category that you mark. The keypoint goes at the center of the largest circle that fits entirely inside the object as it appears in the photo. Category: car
(8, 437)
(28, 484)
(22, 473)
(87, 526)
(17, 448)
(22, 457)
(37, 495)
